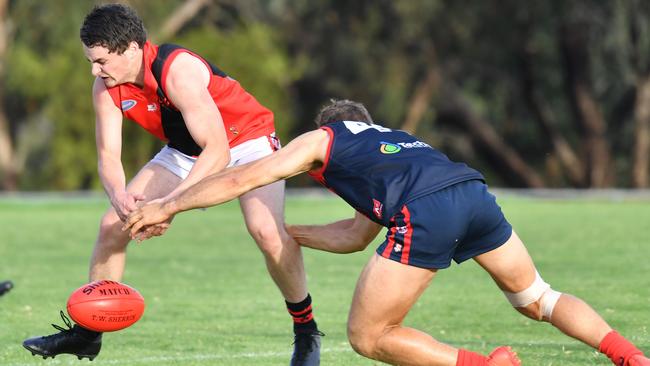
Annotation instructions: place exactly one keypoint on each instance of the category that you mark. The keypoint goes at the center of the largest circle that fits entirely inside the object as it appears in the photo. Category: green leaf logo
(389, 148)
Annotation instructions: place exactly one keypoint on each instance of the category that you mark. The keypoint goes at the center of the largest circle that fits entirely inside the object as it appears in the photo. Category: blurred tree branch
(545, 117)
(588, 115)
(641, 143)
(183, 14)
(456, 109)
(421, 99)
(8, 172)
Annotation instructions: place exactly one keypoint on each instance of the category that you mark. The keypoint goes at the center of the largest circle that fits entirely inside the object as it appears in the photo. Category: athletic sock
(303, 318)
(469, 358)
(617, 348)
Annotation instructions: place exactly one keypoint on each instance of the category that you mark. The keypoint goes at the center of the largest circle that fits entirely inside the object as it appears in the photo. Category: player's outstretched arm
(345, 236)
(304, 153)
(108, 138)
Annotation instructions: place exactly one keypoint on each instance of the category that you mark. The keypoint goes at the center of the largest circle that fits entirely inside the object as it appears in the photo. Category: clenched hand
(148, 221)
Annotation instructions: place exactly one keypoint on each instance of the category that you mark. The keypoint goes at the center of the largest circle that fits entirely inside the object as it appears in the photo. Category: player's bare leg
(109, 255)
(513, 270)
(263, 211)
(381, 302)
(107, 262)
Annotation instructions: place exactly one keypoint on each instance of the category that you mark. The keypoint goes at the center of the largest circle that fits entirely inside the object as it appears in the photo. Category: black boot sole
(45, 356)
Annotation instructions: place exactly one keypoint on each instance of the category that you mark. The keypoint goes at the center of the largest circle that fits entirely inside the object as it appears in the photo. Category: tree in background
(49, 122)
(535, 94)
(541, 94)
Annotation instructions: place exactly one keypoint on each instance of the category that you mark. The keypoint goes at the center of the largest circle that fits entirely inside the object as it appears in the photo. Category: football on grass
(105, 306)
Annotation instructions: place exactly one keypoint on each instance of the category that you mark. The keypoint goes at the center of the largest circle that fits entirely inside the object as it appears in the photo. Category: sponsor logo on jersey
(402, 229)
(377, 207)
(398, 248)
(393, 148)
(389, 148)
(414, 145)
(128, 104)
(152, 107)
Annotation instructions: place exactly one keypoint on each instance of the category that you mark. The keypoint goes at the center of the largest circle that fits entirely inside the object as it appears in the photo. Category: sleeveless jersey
(377, 170)
(244, 118)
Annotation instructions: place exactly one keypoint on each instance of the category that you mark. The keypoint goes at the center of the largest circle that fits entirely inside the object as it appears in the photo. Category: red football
(105, 306)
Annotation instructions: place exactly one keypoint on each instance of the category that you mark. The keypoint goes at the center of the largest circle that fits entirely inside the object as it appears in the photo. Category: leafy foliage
(559, 83)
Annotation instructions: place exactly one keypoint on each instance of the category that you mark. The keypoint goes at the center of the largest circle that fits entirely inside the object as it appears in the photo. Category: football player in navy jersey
(435, 211)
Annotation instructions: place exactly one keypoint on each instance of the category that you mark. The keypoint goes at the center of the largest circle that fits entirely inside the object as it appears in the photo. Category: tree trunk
(573, 41)
(641, 152)
(8, 172)
(571, 164)
(641, 135)
(505, 159)
(595, 137)
(421, 99)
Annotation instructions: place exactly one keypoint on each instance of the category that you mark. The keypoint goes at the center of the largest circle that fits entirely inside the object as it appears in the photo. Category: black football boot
(306, 348)
(75, 340)
(5, 286)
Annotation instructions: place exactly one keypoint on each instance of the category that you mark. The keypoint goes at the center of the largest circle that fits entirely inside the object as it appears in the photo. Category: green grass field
(211, 302)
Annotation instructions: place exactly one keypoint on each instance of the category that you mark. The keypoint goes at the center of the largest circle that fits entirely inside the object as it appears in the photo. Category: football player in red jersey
(435, 210)
(209, 122)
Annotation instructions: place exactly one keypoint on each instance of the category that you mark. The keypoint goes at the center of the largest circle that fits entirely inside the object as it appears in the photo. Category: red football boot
(505, 356)
(638, 360)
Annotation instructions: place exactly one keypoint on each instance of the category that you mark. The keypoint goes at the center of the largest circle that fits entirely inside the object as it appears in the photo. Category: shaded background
(534, 94)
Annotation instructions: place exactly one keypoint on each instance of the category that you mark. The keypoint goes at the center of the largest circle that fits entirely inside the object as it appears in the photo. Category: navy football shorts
(458, 222)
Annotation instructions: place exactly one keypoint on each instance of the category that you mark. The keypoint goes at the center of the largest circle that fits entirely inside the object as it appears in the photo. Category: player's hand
(141, 218)
(148, 232)
(125, 202)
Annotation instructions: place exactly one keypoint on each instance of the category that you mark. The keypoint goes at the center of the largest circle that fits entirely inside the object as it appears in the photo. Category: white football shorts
(181, 164)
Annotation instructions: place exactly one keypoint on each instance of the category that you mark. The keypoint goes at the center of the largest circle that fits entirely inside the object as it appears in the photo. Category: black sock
(86, 333)
(303, 318)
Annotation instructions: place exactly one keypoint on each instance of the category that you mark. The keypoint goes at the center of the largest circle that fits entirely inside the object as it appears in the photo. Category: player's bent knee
(361, 341)
(537, 301)
(269, 240)
(110, 232)
(110, 224)
(264, 233)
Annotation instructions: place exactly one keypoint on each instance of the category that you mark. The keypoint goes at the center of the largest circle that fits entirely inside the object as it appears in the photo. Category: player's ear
(131, 51)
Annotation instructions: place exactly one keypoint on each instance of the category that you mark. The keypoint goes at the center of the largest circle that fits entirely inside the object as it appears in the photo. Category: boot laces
(305, 342)
(66, 321)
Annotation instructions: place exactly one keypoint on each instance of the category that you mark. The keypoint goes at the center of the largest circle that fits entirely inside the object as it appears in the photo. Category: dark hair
(342, 110)
(113, 26)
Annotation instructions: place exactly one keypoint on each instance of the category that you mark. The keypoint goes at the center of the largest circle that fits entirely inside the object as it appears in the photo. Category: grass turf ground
(211, 302)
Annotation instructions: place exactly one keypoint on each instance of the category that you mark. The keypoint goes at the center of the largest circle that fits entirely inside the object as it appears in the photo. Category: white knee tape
(548, 301)
(529, 295)
(538, 291)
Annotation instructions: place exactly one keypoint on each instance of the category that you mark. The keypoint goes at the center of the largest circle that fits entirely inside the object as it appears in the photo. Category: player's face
(112, 67)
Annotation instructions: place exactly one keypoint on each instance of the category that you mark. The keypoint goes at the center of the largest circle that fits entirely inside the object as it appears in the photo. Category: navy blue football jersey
(377, 170)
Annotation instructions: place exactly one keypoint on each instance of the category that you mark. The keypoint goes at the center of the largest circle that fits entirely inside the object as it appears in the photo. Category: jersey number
(356, 127)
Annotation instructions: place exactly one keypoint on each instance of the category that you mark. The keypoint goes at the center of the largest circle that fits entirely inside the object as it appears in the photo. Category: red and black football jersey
(243, 116)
